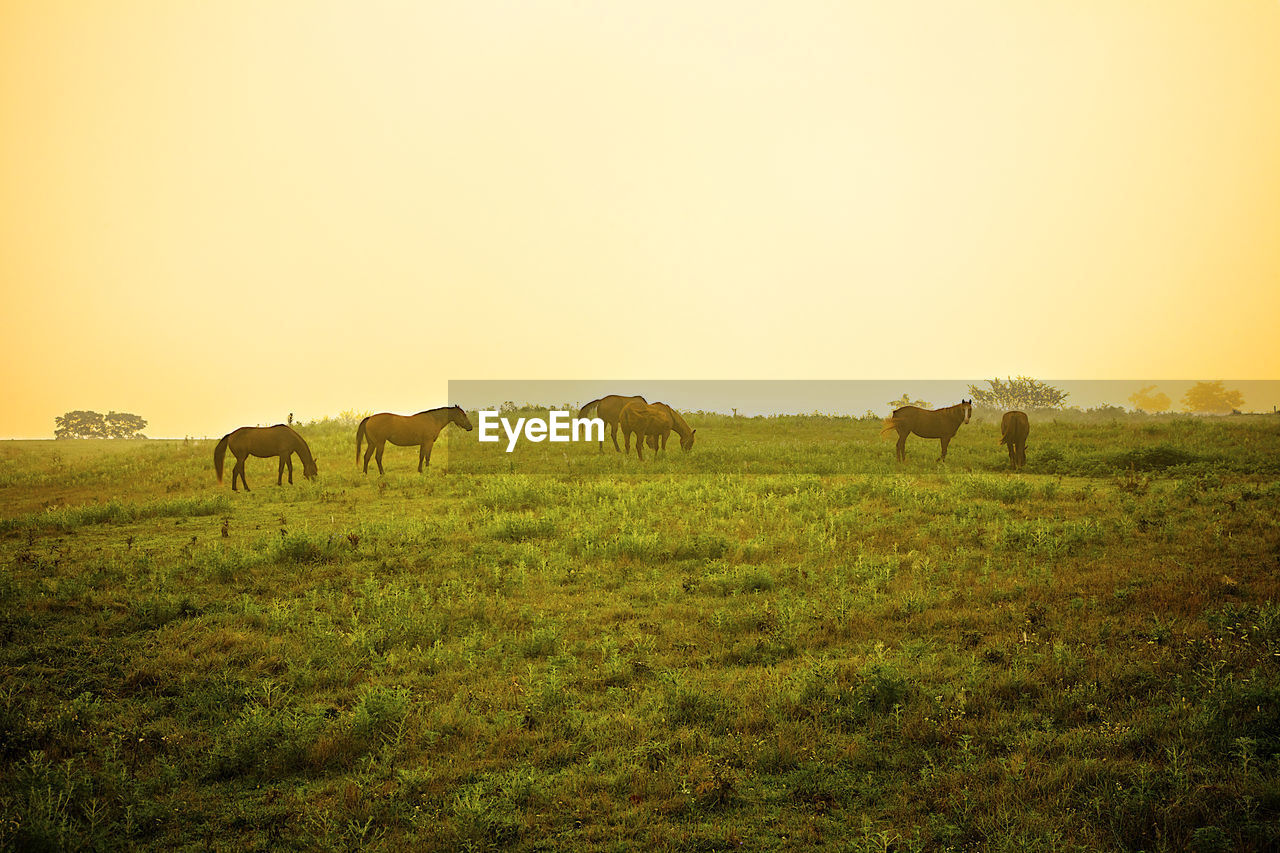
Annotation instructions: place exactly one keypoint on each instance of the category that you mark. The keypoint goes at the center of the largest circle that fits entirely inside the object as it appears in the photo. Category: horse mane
(679, 424)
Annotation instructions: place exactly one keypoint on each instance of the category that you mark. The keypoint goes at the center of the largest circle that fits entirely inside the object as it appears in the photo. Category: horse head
(309, 469)
(686, 444)
(459, 417)
(968, 409)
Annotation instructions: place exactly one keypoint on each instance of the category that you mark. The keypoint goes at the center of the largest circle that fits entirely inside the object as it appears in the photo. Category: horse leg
(424, 454)
(945, 442)
(902, 446)
(378, 455)
(239, 468)
(280, 473)
(368, 454)
(288, 461)
(1013, 455)
(613, 433)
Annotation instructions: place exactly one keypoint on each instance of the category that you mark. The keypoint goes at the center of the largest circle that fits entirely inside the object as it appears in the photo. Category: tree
(1148, 399)
(1211, 397)
(1020, 392)
(80, 424)
(83, 423)
(905, 400)
(125, 425)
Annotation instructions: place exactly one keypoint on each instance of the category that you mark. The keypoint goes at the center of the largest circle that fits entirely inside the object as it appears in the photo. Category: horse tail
(219, 455)
(890, 424)
(589, 408)
(360, 438)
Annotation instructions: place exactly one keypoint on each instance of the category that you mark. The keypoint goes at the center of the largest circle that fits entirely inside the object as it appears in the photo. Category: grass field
(783, 639)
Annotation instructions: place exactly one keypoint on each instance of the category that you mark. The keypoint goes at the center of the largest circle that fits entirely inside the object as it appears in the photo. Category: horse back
(1014, 428)
(642, 417)
(928, 423)
(402, 429)
(263, 441)
(610, 408)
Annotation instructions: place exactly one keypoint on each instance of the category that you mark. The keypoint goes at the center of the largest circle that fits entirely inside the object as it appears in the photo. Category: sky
(215, 214)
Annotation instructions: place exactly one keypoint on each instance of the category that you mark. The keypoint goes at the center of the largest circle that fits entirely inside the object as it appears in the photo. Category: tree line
(83, 423)
(1023, 392)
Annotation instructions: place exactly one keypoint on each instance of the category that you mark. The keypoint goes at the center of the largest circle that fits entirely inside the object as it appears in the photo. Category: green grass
(781, 639)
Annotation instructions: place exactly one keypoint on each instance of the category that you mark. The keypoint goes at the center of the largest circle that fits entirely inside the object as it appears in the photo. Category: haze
(216, 214)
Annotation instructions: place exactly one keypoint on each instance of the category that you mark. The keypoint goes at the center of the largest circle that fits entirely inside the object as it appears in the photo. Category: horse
(927, 423)
(681, 428)
(279, 440)
(1014, 429)
(652, 423)
(609, 409)
(406, 431)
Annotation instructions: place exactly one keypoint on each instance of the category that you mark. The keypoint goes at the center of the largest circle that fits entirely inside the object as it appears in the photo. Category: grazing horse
(648, 423)
(406, 431)
(681, 427)
(1014, 429)
(927, 423)
(279, 440)
(609, 409)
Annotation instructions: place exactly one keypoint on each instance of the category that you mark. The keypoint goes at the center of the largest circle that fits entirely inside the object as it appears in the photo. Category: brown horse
(927, 423)
(406, 431)
(1014, 429)
(652, 423)
(609, 409)
(279, 440)
(681, 428)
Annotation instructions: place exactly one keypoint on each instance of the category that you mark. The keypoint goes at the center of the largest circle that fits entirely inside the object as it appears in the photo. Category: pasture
(783, 639)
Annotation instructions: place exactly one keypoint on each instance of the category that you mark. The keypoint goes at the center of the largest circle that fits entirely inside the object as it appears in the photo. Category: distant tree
(83, 423)
(1211, 397)
(125, 425)
(80, 424)
(1020, 392)
(1148, 399)
(905, 400)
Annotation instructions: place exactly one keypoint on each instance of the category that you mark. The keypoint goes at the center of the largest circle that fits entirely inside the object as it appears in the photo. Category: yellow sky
(214, 214)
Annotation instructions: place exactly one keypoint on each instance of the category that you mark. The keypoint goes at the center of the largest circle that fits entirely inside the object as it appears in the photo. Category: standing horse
(279, 440)
(609, 409)
(1014, 429)
(648, 423)
(406, 431)
(927, 423)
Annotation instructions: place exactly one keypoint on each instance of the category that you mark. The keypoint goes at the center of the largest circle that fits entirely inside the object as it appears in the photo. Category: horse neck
(677, 422)
(300, 447)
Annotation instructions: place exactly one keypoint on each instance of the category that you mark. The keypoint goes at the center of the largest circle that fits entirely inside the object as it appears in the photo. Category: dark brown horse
(927, 423)
(609, 409)
(279, 440)
(1014, 429)
(651, 423)
(406, 431)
